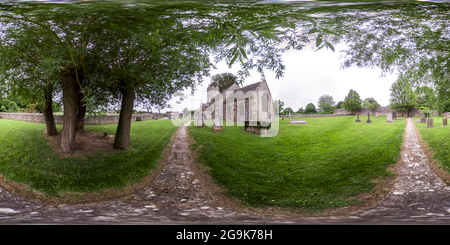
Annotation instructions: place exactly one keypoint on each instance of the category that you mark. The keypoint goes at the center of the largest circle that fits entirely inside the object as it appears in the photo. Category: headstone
(377, 115)
(357, 119)
(368, 118)
(423, 120)
(444, 122)
(217, 124)
(298, 122)
(394, 115)
(430, 123)
(389, 118)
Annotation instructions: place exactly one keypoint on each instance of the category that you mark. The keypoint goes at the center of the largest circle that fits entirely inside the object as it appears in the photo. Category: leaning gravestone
(444, 122)
(430, 123)
(357, 119)
(389, 118)
(423, 120)
(394, 115)
(368, 118)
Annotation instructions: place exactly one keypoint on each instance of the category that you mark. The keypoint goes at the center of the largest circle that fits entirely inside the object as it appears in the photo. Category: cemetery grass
(435, 143)
(27, 158)
(306, 168)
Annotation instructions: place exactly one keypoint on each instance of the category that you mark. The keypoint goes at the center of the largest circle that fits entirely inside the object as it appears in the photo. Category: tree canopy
(224, 80)
(411, 39)
(352, 102)
(326, 103)
(403, 97)
(371, 103)
(310, 108)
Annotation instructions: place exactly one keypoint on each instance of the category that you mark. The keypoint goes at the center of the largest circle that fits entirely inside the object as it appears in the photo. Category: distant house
(252, 103)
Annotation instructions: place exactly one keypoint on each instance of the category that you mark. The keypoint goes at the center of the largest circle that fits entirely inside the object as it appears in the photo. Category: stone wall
(384, 111)
(315, 115)
(36, 117)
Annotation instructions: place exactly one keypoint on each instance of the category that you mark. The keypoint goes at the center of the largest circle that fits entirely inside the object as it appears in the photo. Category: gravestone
(389, 118)
(217, 124)
(298, 122)
(357, 119)
(368, 118)
(430, 123)
(394, 115)
(423, 120)
(444, 122)
(377, 115)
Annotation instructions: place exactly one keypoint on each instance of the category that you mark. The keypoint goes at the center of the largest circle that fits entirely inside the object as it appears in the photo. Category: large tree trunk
(48, 112)
(80, 116)
(71, 90)
(122, 139)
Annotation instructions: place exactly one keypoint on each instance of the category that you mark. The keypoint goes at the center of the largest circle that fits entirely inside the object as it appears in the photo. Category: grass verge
(25, 157)
(436, 145)
(310, 167)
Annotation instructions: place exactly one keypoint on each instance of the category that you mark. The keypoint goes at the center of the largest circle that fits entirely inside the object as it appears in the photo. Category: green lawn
(313, 166)
(25, 157)
(438, 139)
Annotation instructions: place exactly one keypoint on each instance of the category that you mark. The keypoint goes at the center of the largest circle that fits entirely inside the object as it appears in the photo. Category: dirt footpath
(182, 193)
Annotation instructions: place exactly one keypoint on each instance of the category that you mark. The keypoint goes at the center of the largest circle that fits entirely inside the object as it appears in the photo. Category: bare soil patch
(86, 143)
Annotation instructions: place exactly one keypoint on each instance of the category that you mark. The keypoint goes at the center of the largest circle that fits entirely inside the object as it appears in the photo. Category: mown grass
(437, 139)
(26, 158)
(313, 166)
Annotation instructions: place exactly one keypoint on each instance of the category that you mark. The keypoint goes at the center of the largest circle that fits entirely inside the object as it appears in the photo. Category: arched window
(264, 102)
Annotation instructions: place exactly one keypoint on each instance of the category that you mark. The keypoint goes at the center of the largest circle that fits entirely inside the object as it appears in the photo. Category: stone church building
(249, 105)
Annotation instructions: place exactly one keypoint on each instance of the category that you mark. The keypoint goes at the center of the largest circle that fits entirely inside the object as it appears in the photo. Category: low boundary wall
(384, 111)
(315, 115)
(39, 118)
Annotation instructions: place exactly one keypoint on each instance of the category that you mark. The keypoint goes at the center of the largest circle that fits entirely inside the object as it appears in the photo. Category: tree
(278, 106)
(7, 105)
(425, 97)
(310, 108)
(371, 103)
(326, 103)
(288, 110)
(410, 39)
(224, 80)
(352, 102)
(403, 97)
(186, 112)
(100, 54)
(339, 105)
(301, 110)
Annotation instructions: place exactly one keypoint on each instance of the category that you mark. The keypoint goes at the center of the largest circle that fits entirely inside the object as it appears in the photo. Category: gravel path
(178, 196)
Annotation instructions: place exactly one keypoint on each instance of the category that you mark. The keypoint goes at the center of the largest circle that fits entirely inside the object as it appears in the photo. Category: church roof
(251, 87)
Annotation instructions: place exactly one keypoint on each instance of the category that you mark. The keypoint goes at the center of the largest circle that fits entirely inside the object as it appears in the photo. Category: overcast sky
(308, 76)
